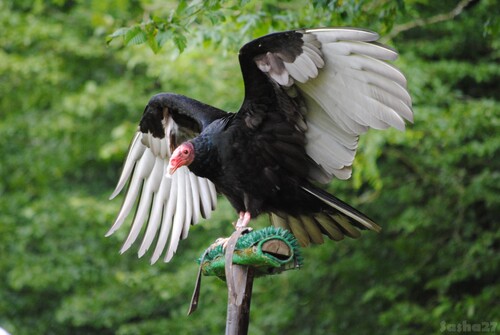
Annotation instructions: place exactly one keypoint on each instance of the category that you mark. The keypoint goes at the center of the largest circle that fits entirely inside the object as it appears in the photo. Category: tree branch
(422, 22)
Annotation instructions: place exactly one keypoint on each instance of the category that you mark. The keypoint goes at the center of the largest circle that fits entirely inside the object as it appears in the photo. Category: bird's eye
(185, 152)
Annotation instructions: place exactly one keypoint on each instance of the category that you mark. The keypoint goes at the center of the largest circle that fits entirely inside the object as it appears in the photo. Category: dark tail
(341, 220)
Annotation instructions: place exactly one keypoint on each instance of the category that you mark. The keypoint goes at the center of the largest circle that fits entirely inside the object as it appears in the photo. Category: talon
(220, 241)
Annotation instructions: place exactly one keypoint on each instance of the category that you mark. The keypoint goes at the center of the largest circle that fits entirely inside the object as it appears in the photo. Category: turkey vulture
(309, 94)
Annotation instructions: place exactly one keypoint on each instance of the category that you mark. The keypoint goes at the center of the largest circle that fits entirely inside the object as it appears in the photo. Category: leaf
(180, 41)
(153, 43)
(120, 32)
(162, 37)
(135, 36)
(181, 7)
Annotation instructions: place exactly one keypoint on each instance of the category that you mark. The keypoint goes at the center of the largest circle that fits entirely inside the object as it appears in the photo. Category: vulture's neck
(206, 158)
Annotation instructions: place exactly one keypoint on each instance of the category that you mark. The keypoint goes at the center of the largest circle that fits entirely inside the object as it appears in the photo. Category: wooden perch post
(238, 303)
(258, 253)
(240, 283)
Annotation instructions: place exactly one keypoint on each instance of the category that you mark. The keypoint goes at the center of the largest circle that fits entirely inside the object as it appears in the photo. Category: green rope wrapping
(248, 251)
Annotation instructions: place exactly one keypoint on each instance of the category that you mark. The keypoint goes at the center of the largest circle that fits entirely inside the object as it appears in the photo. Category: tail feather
(345, 226)
(342, 220)
(312, 229)
(352, 213)
(329, 226)
(299, 231)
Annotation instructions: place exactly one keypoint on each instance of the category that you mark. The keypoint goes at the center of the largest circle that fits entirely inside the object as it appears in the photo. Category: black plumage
(308, 96)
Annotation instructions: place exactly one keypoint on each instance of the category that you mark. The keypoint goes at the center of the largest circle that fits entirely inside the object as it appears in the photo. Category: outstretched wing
(340, 84)
(168, 205)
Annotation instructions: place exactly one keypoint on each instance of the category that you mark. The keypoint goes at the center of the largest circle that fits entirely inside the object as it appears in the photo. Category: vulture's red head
(182, 155)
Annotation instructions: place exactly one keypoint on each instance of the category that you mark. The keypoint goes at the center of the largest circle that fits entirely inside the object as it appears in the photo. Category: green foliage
(227, 22)
(70, 104)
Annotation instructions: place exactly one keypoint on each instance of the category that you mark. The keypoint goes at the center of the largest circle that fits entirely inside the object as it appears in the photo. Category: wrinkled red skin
(182, 155)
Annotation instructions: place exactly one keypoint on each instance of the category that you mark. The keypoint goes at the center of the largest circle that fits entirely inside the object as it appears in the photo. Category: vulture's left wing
(168, 205)
(342, 83)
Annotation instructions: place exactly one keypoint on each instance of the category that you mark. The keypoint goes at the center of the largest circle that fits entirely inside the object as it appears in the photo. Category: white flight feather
(329, 90)
(365, 110)
(329, 153)
(155, 145)
(205, 198)
(148, 139)
(150, 187)
(213, 193)
(331, 144)
(362, 48)
(344, 173)
(143, 170)
(314, 54)
(369, 91)
(164, 148)
(166, 225)
(340, 104)
(195, 190)
(396, 88)
(310, 69)
(330, 105)
(189, 204)
(180, 213)
(362, 78)
(328, 35)
(302, 68)
(156, 213)
(325, 124)
(135, 152)
(362, 62)
(295, 71)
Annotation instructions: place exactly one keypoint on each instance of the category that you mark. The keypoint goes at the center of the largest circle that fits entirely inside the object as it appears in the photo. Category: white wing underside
(348, 87)
(167, 205)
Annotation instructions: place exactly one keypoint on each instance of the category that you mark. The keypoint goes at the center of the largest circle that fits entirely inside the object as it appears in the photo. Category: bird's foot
(244, 220)
(241, 224)
(225, 240)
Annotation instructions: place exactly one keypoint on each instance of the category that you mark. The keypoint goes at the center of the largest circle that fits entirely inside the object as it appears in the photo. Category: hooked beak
(173, 165)
(182, 155)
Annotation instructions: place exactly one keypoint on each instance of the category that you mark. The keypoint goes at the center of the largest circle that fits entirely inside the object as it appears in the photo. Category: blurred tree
(70, 105)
